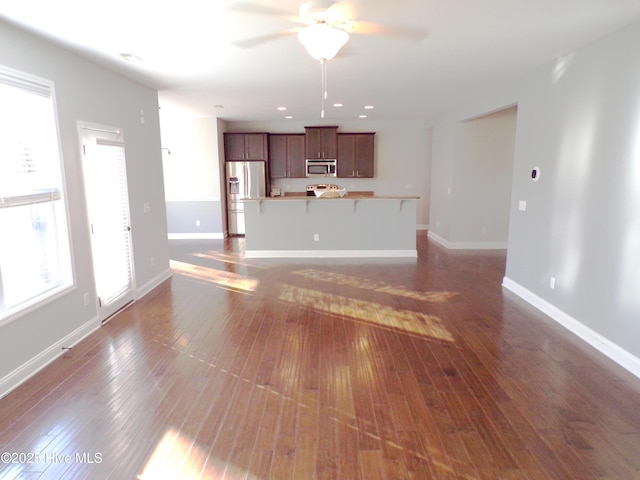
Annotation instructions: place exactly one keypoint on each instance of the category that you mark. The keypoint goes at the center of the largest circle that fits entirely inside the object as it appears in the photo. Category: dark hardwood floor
(328, 369)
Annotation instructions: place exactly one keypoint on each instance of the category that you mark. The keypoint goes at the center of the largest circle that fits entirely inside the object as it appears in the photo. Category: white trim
(467, 245)
(42, 196)
(602, 344)
(35, 303)
(25, 371)
(153, 283)
(26, 82)
(330, 253)
(422, 226)
(195, 236)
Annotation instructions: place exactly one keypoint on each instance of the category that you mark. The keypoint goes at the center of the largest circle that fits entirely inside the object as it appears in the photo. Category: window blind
(35, 260)
(25, 82)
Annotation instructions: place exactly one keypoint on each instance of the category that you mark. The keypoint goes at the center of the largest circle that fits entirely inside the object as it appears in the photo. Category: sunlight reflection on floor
(382, 315)
(225, 258)
(212, 275)
(187, 457)
(351, 281)
(177, 457)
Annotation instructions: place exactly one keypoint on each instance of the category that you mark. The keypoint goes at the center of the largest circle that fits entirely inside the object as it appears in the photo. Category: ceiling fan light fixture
(323, 41)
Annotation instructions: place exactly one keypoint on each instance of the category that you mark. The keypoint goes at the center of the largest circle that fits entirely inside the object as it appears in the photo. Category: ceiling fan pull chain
(323, 73)
(324, 77)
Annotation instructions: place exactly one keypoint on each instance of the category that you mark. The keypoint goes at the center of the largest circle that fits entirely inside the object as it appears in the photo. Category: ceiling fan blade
(260, 39)
(403, 32)
(250, 7)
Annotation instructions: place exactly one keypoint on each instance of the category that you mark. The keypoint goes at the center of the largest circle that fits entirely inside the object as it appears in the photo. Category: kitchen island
(351, 226)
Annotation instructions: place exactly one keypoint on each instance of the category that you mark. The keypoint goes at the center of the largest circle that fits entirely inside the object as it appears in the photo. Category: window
(35, 261)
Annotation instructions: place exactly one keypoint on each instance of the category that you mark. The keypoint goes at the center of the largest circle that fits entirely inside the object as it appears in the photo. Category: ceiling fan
(324, 27)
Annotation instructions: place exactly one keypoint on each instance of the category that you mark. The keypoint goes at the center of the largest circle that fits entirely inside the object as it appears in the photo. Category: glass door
(105, 178)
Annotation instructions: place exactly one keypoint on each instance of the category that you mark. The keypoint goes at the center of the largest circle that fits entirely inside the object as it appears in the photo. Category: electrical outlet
(197, 223)
(86, 298)
(316, 237)
(522, 205)
(552, 283)
(152, 261)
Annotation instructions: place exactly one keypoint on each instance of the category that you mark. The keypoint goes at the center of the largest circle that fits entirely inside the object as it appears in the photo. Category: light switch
(522, 206)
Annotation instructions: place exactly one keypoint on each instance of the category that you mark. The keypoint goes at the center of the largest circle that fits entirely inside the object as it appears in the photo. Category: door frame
(108, 134)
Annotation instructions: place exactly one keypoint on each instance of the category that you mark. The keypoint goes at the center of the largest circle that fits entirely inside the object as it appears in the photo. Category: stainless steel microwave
(321, 168)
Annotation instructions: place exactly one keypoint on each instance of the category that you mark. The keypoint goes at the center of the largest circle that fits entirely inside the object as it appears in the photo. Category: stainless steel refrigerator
(245, 181)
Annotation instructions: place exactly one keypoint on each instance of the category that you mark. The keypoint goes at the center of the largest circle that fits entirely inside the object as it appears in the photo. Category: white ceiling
(188, 52)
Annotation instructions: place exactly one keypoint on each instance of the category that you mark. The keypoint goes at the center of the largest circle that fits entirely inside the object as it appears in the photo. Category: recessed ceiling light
(282, 108)
(337, 105)
(131, 57)
(363, 116)
(368, 107)
(288, 117)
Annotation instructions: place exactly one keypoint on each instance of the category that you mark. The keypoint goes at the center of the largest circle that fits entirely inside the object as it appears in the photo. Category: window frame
(24, 81)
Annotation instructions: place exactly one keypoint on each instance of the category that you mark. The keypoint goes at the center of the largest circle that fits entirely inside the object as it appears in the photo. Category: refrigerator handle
(247, 180)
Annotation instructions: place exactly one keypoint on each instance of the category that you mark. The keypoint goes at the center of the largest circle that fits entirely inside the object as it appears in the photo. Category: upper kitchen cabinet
(355, 155)
(286, 155)
(245, 146)
(321, 142)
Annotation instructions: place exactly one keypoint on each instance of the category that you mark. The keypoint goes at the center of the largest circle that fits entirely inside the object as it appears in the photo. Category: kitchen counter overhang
(351, 226)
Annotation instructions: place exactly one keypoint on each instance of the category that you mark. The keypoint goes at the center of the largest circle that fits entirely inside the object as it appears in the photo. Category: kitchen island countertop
(348, 196)
(356, 225)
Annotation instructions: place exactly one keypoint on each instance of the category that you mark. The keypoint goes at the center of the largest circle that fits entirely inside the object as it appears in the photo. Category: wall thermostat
(535, 174)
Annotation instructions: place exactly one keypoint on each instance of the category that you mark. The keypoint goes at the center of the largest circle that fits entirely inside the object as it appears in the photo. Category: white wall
(86, 92)
(191, 162)
(471, 189)
(482, 173)
(402, 158)
(442, 162)
(578, 120)
(191, 174)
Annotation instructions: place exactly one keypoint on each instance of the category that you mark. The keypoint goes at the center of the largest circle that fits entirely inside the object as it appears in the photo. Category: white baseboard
(330, 253)
(195, 236)
(37, 363)
(604, 345)
(467, 245)
(153, 283)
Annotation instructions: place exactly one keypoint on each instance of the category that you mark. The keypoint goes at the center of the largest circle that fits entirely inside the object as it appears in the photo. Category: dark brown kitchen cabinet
(286, 155)
(245, 146)
(321, 142)
(355, 155)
